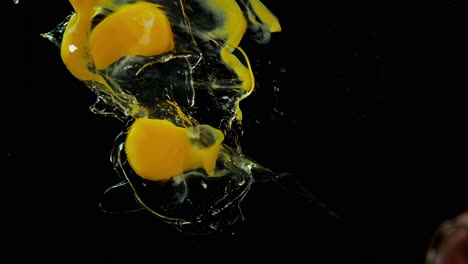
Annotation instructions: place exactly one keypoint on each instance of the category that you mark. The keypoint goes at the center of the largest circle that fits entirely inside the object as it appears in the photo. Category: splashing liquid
(174, 72)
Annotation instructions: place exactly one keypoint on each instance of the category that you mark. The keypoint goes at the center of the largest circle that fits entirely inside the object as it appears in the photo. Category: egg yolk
(141, 28)
(157, 149)
(137, 29)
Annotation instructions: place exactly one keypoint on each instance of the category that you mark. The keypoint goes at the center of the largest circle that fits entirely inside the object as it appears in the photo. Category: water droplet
(276, 86)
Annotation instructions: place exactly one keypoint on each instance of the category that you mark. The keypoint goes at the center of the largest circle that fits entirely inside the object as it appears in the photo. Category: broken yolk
(157, 149)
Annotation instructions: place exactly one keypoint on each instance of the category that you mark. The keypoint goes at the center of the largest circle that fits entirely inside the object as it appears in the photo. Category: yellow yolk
(232, 30)
(74, 48)
(266, 16)
(141, 28)
(137, 29)
(158, 150)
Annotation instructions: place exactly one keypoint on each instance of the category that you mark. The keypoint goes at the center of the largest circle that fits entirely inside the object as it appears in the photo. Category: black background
(379, 145)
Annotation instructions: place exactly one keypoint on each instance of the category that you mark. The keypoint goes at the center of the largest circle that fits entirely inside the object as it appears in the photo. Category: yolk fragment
(266, 16)
(158, 150)
(141, 28)
(136, 29)
(74, 50)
